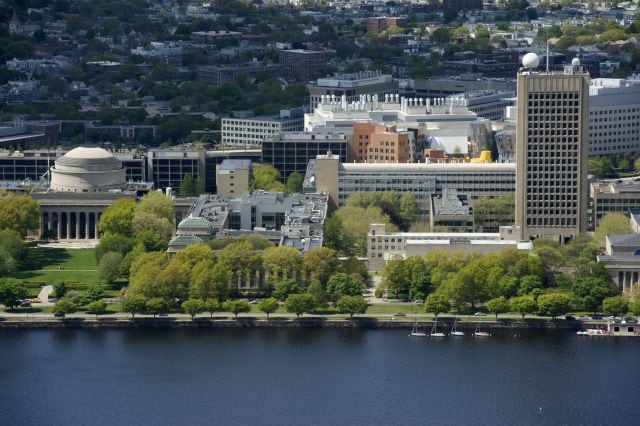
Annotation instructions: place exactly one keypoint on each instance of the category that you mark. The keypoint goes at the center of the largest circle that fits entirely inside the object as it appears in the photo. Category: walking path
(44, 293)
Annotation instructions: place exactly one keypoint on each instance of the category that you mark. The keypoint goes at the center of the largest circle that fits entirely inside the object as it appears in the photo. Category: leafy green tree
(523, 305)
(144, 273)
(554, 304)
(635, 308)
(489, 213)
(333, 233)
(134, 305)
(97, 307)
(281, 263)
(352, 265)
(60, 289)
(236, 307)
(395, 278)
(193, 307)
(499, 305)
(156, 305)
(64, 307)
(12, 250)
(294, 183)
(615, 306)
(117, 219)
(352, 305)
(285, 288)
(116, 243)
(600, 167)
(320, 263)
(591, 291)
(299, 304)
(268, 305)
(189, 187)
(210, 281)
(417, 273)
(212, 306)
(355, 225)
(528, 284)
(154, 214)
(266, 177)
(611, 223)
(93, 293)
(109, 267)
(19, 213)
(12, 292)
(316, 289)
(437, 303)
(408, 209)
(241, 259)
(341, 284)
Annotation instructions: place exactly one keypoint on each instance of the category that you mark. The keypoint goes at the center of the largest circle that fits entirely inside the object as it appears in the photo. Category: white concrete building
(614, 116)
(253, 130)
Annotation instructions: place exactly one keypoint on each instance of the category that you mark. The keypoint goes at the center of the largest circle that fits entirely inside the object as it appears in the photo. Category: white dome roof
(85, 152)
(86, 169)
(530, 60)
(89, 159)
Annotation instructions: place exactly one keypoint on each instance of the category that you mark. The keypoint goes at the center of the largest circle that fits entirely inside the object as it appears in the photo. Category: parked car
(596, 316)
(53, 299)
(35, 300)
(399, 314)
(569, 317)
(480, 314)
(25, 303)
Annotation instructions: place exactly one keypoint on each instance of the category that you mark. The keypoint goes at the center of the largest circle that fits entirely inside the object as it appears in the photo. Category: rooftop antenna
(547, 56)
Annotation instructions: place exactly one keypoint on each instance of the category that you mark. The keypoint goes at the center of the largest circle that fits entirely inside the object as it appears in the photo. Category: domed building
(86, 169)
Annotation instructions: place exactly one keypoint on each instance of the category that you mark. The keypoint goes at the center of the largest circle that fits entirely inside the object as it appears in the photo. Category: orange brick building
(376, 143)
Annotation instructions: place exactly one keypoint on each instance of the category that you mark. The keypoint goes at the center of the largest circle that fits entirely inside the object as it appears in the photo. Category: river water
(315, 377)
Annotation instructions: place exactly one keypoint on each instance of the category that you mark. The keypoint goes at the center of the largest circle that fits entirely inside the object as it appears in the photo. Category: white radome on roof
(575, 62)
(530, 60)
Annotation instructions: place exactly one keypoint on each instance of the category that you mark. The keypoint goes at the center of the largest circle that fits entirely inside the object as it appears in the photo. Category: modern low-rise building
(352, 85)
(620, 195)
(383, 246)
(252, 131)
(233, 177)
(304, 64)
(218, 74)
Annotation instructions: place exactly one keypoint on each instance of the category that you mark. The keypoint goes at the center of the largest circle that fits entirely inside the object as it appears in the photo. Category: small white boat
(434, 330)
(454, 329)
(415, 332)
(478, 333)
(592, 332)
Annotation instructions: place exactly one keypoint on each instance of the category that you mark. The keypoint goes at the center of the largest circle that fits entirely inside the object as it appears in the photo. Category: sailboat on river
(454, 329)
(415, 331)
(434, 330)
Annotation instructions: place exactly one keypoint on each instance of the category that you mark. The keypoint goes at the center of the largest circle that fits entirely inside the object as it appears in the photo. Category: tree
(499, 305)
(60, 288)
(635, 308)
(12, 250)
(299, 304)
(116, 243)
(611, 223)
(341, 284)
(408, 209)
(265, 177)
(134, 305)
(591, 291)
(154, 213)
(147, 223)
(523, 305)
(268, 306)
(193, 307)
(93, 293)
(19, 213)
(241, 259)
(212, 306)
(97, 307)
(117, 219)
(333, 233)
(64, 307)
(355, 225)
(615, 306)
(144, 272)
(12, 292)
(209, 281)
(395, 278)
(236, 307)
(109, 267)
(320, 263)
(156, 305)
(285, 288)
(554, 304)
(352, 305)
(281, 263)
(437, 303)
(417, 272)
(528, 284)
(294, 182)
(316, 289)
(188, 187)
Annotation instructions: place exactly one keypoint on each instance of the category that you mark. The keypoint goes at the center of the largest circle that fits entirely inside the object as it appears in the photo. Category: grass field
(48, 265)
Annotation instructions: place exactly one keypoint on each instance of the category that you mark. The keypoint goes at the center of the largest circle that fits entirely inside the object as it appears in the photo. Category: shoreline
(310, 322)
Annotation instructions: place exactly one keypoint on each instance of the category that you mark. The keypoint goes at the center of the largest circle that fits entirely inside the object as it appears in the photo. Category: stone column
(68, 225)
(95, 226)
(77, 226)
(50, 225)
(59, 225)
(86, 226)
(42, 227)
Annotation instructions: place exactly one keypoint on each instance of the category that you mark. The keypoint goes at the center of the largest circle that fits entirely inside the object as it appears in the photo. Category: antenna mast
(547, 56)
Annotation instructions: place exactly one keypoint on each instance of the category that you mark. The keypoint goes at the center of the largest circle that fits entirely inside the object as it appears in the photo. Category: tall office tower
(551, 151)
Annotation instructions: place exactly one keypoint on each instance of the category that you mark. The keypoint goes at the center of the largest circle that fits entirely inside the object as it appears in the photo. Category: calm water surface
(315, 377)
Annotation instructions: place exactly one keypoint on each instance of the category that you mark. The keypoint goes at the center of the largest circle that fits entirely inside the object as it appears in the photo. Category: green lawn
(48, 265)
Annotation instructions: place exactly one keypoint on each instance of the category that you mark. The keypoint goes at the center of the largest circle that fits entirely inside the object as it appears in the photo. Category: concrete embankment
(311, 322)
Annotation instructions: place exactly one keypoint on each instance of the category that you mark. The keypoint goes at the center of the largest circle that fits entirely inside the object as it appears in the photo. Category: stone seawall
(360, 322)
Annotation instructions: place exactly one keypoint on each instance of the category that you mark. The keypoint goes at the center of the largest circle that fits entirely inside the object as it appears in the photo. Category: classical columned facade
(73, 216)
